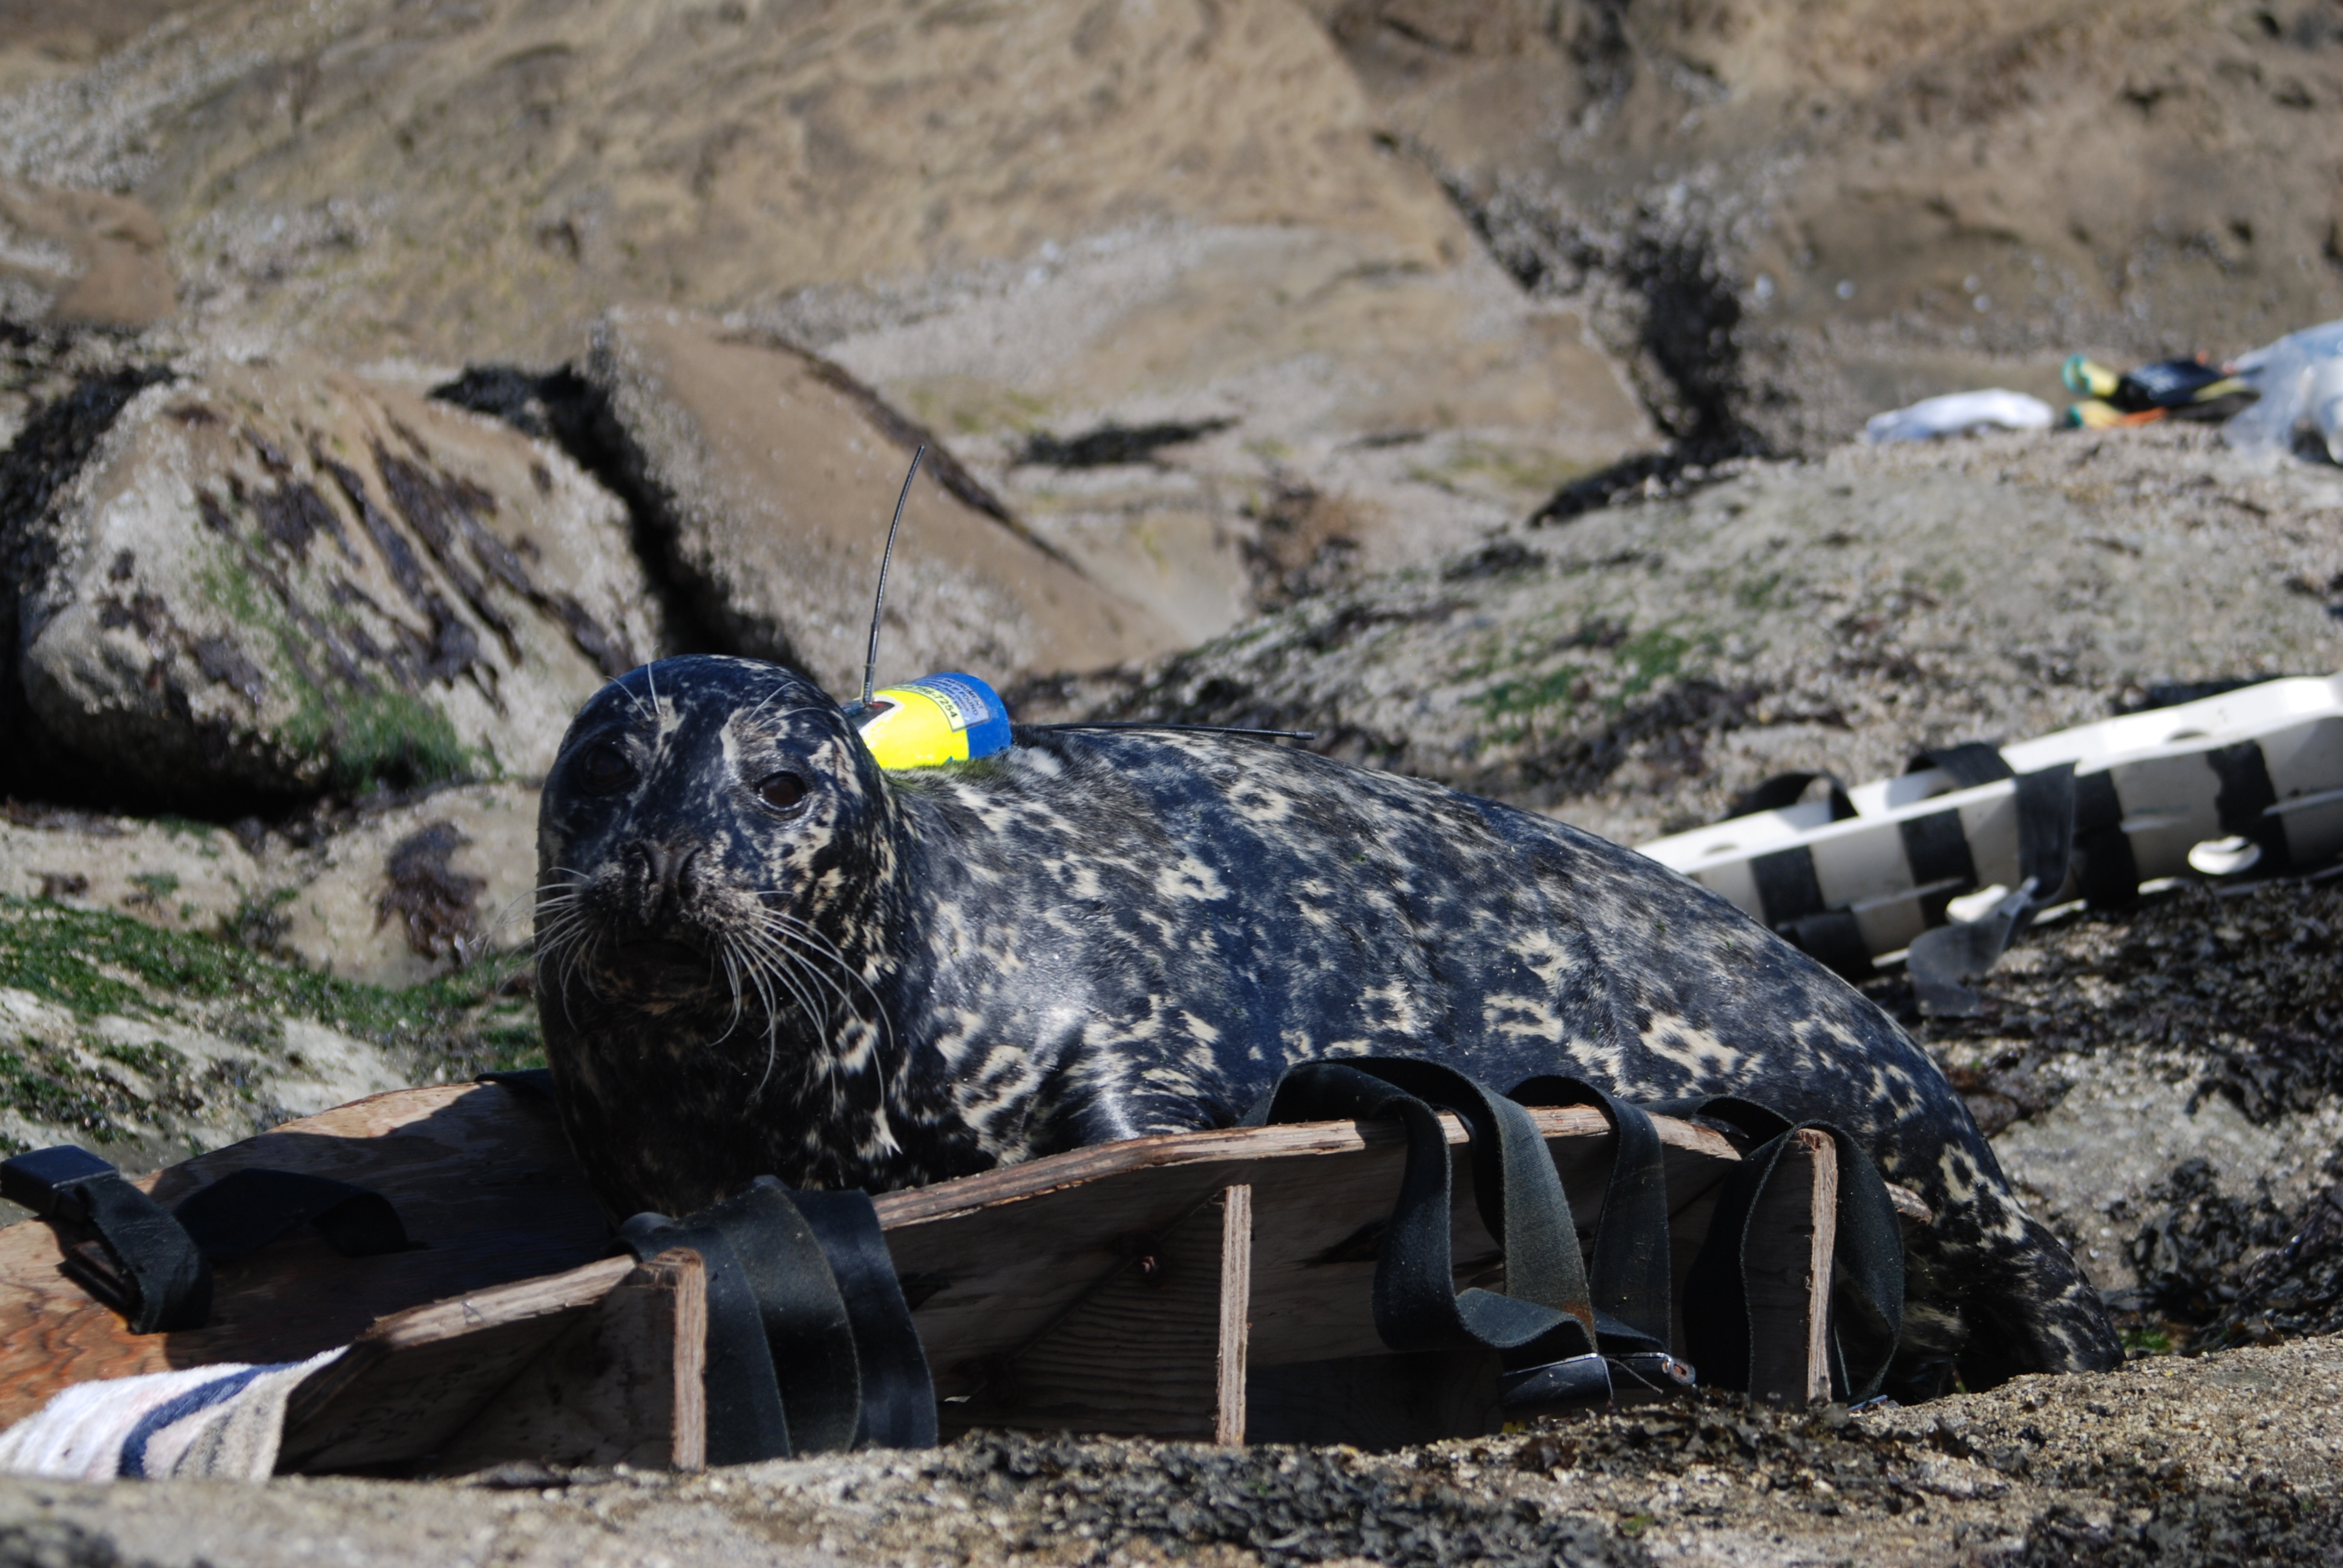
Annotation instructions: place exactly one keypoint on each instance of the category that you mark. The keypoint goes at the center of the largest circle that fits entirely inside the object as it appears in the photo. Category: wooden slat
(480, 1176)
(486, 1184)
(411, 1381)
(1236, 1310)
(1793, 1231)
(621, 1385)
(1139, 1355)
(1000, 1262)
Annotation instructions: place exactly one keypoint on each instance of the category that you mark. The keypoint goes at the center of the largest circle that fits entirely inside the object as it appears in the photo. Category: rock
(1635, 669)
(394, 892)
(274, 578)
(2192, 1463)
(1788, 216)
(477, 187)
(2160, 1082)
(770, 477)
(400, 895)
(81, 256)
(1044, 219)
(146, 1044)
(1214, 421)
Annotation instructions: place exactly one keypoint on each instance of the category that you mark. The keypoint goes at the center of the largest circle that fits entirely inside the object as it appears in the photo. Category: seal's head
(712, 853)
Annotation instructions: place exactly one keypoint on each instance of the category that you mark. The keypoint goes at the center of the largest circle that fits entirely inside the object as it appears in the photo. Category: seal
(759, 954)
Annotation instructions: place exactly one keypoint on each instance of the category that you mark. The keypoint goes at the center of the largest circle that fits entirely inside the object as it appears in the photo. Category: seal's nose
(665, 870)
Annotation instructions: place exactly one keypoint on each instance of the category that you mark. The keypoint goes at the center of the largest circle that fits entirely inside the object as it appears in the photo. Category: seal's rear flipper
(2042, 1315)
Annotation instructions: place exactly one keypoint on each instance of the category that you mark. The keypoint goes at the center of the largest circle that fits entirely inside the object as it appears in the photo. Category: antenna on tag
(879, 603)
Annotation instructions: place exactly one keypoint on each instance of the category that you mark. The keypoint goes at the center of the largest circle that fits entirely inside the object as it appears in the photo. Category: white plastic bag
(1957, 412)
(2300, 379)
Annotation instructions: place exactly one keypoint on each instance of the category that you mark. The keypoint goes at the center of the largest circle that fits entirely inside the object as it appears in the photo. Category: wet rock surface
(2221, 1461)
(2162, 1082)
(147, 1045)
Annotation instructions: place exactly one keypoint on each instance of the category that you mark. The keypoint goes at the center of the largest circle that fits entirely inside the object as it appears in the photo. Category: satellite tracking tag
(934, 719)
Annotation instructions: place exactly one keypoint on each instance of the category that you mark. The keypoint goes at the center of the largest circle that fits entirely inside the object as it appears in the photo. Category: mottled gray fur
(759, 953)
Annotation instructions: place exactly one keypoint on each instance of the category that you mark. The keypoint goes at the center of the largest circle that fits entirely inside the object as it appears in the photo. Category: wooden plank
(481, 1176)
(621, 1385)
(1139, 1355)
(486, 1187)
(1236, 1310)
(415, 1379)
(994, 1261)
(1793, 1233)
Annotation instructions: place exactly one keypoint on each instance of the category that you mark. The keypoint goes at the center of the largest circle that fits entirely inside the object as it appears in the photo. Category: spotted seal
(759, 954)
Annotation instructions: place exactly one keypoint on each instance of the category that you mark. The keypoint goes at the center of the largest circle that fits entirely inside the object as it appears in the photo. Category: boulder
(768, 476)
(275, 578)
(402, 895)
(1217, 420)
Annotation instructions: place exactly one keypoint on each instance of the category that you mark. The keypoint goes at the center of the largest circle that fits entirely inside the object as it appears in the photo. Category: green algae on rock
(148, 1045)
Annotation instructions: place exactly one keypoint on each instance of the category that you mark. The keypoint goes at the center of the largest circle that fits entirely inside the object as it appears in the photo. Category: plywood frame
(1155, 1286)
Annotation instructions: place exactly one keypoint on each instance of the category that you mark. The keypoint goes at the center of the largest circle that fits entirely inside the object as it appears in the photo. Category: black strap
(2047, 801)
(1786, 789)
(811, 1345)
(743, 1397)
(1868, 1263)
(1967, 765)
(1631, 1276)
(245, 1210)
(154, 1264)
(147, 1267)
(1545, 1315)
(898, 1397)
(2108, 874)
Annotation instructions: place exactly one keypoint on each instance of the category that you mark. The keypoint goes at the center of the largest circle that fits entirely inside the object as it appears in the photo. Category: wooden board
(621, 1385)
(486, 1185)
(994, 1257)
(480, 1175)
(594, 1366)
(1793, 1233)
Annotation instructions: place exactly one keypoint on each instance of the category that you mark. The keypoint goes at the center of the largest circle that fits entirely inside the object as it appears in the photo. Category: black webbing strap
(1967, 765)
(2108, 874)
(149, 1269)
(1867, 1262)
(811, 1345)
(1786, 789)
(1629, 1274)
(899, 1398)
(154, 1264)
(1545, 1315)
(245, 1210)
(1940, 959)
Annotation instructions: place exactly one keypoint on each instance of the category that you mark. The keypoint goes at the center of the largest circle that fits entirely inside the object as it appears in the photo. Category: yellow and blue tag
(934, 719)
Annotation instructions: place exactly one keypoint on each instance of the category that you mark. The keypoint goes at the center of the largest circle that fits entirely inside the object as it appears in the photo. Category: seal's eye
(604, 770)
(783, 791)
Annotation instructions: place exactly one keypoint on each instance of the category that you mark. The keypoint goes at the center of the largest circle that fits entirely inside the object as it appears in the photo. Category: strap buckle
(47, 1180)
